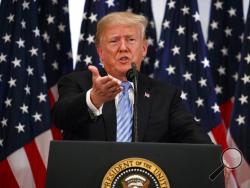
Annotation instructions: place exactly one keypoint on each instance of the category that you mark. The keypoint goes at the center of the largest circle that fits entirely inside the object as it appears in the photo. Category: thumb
(94, 71)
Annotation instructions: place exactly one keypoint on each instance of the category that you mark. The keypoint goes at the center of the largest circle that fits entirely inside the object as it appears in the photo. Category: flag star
(61, 27)
(228, 31)
(166, 24)
(221, 70)
(236, 76)
(232, 12)
(183, 95)
(191, 56)
(4, 122)
(205, 63)
(246, 79)
(196, 16)
(156, 64)
(240, 120)
(224, 51)
(8, 102)
(51, 19)
(152, 24)
(33, 51)
(185, 10)
(16, 62)
(41, 97)
(36, 31)
(88, 60)
(150, 41)
(171, 4)
(25, 5)
(161, 44)
(243, 99)
(55, 65)
(2, 57)
(248, 37)
(218, 89)
(58, 46)
(203, 82)
(54, 2)
(81, 37)
(66, 9)
(215, 107)
(180, 30)
(1, 142)
(93, 18)
(44, 78)
(12, 82)
(199, 102)
(78, 58)
(110, 3)
(30, 71)
(84, 16)
(146, 61)
(46, 37)
(214, 25)
(69, 54)
(210, 45)
(20, 43)
(247, 58)
(1, 77)
(176, 50)
(241, 37)
(23, 24)
(37, 117)
(6, 38)
(27, 90)
(90, 39)
(195, 37)
(187, 76)
(11, 18)
(218, 5)
(197, 119)
(24, 109)
(20, 128)
(170, 70)
(238, 57)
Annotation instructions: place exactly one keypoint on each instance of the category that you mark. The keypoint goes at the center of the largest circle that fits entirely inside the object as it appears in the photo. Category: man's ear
(99, 51)
(145, 47)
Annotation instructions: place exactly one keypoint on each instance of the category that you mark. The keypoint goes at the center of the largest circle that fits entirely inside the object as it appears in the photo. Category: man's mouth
(124, 59)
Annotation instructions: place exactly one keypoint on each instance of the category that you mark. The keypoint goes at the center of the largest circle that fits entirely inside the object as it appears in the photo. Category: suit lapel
(144, 101)
(109, 115)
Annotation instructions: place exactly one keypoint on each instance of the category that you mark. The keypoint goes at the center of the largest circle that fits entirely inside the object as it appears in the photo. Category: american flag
(28, 74)
(240, 122)
(183, 61)
(225, 37)
(93, 11)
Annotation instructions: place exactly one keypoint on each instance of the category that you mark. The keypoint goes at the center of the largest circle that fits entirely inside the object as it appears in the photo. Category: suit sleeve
(182, 124)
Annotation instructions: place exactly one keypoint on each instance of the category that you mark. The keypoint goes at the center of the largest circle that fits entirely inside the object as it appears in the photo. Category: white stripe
(243, 171)
(211, 135)
(42, 142)
(54, 92)
(20, 167)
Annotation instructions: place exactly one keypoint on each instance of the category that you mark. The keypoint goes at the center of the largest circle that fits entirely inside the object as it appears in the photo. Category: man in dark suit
(90, 107)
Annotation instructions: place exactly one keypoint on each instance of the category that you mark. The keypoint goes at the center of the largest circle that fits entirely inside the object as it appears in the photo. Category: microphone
(132, 76)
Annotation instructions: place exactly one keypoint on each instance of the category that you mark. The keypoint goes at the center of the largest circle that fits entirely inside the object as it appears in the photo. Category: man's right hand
(103, 89)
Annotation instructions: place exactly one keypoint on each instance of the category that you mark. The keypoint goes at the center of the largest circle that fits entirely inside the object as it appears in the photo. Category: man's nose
(123, 46)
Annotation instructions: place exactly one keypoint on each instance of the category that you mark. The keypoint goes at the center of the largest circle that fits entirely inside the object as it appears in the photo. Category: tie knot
(126, 86)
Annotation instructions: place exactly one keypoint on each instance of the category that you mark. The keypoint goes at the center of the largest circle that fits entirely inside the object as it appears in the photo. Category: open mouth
(124, 59)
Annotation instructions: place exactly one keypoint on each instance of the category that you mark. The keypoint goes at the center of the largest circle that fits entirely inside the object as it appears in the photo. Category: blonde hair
(126, 18)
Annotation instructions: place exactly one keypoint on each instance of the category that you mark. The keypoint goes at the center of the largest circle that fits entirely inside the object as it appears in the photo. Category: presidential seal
(135, 173)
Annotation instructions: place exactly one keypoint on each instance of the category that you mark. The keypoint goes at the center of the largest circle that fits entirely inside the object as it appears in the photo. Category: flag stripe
(21, 170)
(219, 133)
(226, 112)
(36, 163)
(7, 178)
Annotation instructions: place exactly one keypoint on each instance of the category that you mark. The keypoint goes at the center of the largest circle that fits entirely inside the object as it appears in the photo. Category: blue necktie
(124, 115)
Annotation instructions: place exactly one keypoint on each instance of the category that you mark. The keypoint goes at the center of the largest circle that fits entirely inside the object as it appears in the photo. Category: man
(96, 106)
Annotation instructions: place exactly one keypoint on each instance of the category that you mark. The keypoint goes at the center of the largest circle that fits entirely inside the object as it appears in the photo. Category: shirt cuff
(91, 106)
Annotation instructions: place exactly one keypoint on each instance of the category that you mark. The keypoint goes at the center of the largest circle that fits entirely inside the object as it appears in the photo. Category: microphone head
(130, 75)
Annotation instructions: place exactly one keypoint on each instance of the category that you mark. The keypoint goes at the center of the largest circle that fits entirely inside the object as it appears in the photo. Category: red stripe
(7, 178)
(51, 99)
(56, 133)
(36, 163)
(226, 111)
(219, 133)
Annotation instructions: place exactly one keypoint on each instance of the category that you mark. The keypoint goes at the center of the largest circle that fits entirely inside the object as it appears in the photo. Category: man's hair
(126, 18)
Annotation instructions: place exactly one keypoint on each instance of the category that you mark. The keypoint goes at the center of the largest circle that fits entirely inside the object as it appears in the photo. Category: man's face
(121, 45)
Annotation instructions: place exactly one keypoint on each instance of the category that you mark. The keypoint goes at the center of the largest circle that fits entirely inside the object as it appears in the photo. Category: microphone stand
(135, 117)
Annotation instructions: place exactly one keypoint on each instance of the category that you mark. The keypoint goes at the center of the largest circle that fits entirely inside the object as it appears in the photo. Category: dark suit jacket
(162, 115)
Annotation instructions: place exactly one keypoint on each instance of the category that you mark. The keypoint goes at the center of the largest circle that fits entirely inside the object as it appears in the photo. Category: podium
(74, 164)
